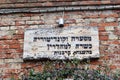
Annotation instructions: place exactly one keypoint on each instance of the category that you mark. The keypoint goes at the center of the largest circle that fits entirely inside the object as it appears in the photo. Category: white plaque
(61, 43)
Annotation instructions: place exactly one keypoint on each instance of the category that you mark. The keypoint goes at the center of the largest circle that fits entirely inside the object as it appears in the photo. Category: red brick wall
(33, 3)
(12, 28)
(12, 35)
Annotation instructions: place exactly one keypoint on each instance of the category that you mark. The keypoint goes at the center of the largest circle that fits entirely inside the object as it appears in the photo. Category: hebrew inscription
(61, 43)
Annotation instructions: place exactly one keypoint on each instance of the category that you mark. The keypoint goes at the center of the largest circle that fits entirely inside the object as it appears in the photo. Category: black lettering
(82, 52)
(72, 38)
(35, 39)
(90, 46)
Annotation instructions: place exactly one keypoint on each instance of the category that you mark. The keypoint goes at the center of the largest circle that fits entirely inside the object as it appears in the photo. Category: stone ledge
(57, 9)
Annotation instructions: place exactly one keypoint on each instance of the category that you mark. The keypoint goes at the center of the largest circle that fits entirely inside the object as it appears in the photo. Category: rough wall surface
(12, 28)
(43, 3)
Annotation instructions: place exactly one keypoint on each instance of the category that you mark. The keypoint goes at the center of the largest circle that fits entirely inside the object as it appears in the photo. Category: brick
(6, 37)
(3, 56)
(1, 61)
(20, 5)
(93, 24)
(35, 18)
(19, 36)
(103, 47)
(114, 49)
(1, 70)
(35, 22)
(113, 37)
(4, 46)
(6, 76)
(9, 71)
(4, 65)
(7, 22)
(27, 15)
(9, 60)
(27, 65)
(2, 1)
(117, 61)
(31, 0)
(80, 20)
(104, 38)
(66, 25)
(103, 33)
(105, 57)
(105, 2)
(1, 42)
(109, 28)
(4, 28)
(118, 37)
(101, 28)
(108, 24)
(119, 19)
(19, 23)
(49, 21)
(110, 19)
(13, 27)
(11, 42)
(4, 33)
(25, 18)
(15, 65)
(21, 1)
(109, 14)
(9, 51)
(104, 42)
(117, 31)
(43, 0)
(96, 20)
(20, 31)
(14, 46)
(75, 16)
(33, 26)
(92, 16)
(13, 60)
(113, 15)
(13, 51)
(70, 21)
(116, 42)
(111, 42)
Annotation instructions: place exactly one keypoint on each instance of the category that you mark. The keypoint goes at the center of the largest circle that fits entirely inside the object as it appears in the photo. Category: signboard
(61, 43)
